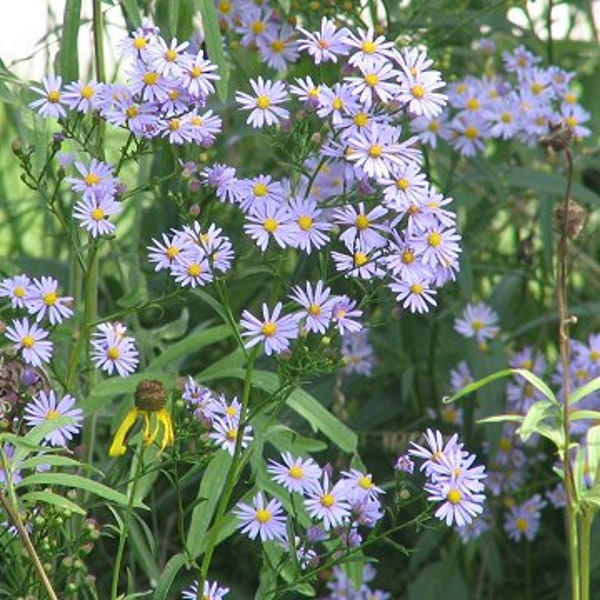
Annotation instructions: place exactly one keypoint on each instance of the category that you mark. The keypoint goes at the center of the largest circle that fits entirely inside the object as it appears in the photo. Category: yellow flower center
(257, 27)
(150, 78)
(132, 112)
(277, 46)
(174, 124)
(28, 341)
(506, 118)
(362, 222)
(270, 225)
(231, 434)
(361, 119)
(195, 72)
(434, 239)
(571, 121)
(461, 88)
(53, 96)
(521, 524)
(87, 92)
(296, 472)
(365, 482)
(305, 222)
(416, 288)
(536, 88)
(369, 47)
(375, 151)
(113, 353)
(340, 314)
(314, 309)
(327, 500)
(19, 292)
(260, 190)
(360, 258)
(570, 98)
(194, 270)
(408, 257)
(418, 91)
(263, 102)
(471, 132)
(473, 104)
(97, 214)
(263, 515)
(52, 414)
(171, 252)
(314, 92)
(91, 179)
(337, 104)
(477, 325)
(454, 496)
(139, 43)
(595, 355)
(231, 411)
(433, 126)
(170, 55)
(505, 444)
(269, 329)
(173, 94)
(224, 7)
(371, 79)
(50, 299)
(402, 184)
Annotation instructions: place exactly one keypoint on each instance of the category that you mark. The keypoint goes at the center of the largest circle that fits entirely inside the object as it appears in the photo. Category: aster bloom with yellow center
(150, 403)
(45, 407)
(264, 105)
(360, 486)
(225, 432)
(44, 301)
(317, 305)
(93, 212)
(270, 221)
(82, 96)
(274, 330)
(263, 519)
(198, 75)
(328, 503)
(295, 474)
(362, 225)
(30, 341)
(50, 104)
(523, 520)
(167, 59)
(97, 178)
(324, 45)
(164, 254)
(311, 227)
(458, 505)
(192, 268)
(478, 321)
(368, 50)
(377, 83)
(211, 591)
(414, 291)
(17, 289)
(113, 351)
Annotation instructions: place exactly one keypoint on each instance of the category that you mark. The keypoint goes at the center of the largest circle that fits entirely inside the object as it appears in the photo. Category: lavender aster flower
(45, 407)
(296, 474)
(211, 591)
(265, 520)
(327, 503)
(31, 341)
(274, 331)
(264, 105)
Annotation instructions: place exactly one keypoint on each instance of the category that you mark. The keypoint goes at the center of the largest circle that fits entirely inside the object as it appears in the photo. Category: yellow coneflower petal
(118, 447)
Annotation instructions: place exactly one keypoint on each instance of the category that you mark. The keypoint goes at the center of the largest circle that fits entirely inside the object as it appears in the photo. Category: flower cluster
(319, 310)
(453, 481)
(339, 507)
(113, 351)
(39, 298)
(165, 95)
(523, 520)
(340, 586)
(192, 256)
(223, 418)
(523, 101)
(400, 228)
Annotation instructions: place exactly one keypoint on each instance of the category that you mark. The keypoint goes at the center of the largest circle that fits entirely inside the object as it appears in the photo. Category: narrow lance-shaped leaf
(585, 390)
(69, 67)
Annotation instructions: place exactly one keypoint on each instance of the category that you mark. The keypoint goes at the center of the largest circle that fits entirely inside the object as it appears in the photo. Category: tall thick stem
(564, 320)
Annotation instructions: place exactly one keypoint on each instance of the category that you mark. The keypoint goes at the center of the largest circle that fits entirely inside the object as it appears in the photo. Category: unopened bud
(576, 217)
(150, 395)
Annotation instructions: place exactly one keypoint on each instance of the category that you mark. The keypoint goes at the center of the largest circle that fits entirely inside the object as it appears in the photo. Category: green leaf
(214, 45)
(169, 572)
(583, 391)
(537, 383)
(51, 460)
(593, 451)
(501, 419)
(285, 5)
(189, 345)
(538, 412)
(584, 415)
(132, 13)
(69, 55)
(45, 497)
(476, 385)
(209, 493)
(32, 440)
(286, 439)
(312, 410)
(77, 482)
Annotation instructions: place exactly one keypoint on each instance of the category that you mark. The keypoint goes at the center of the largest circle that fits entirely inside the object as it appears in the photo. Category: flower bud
(150, 395)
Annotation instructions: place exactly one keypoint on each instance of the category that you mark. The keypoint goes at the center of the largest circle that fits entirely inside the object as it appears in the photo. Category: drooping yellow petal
(164, 418)
(150, 434)
(118, 447)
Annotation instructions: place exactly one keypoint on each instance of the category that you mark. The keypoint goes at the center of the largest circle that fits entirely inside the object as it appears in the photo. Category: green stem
(231, 479)
(98, 33)
(127, 521)
(13, 515)
(587, 518)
